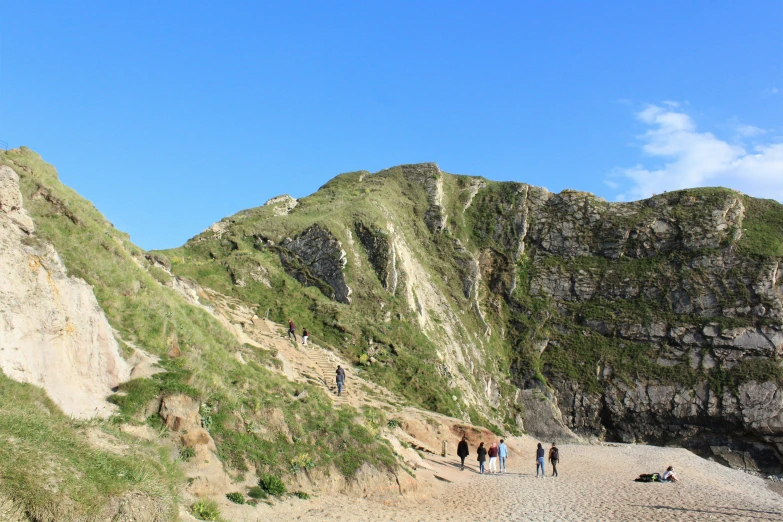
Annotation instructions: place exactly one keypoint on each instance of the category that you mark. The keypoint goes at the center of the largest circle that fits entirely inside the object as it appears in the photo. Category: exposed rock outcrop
(380, 253)
(282, 205)
(52, 331)
(542, 418)
(316, 258)
(430, 177)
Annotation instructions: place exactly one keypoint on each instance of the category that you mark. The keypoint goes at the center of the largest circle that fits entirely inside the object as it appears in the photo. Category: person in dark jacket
(493, 457)
(340, 380)
(291, 329)
(540, 460)
(554, 458)
(463, 451)
(482, 457)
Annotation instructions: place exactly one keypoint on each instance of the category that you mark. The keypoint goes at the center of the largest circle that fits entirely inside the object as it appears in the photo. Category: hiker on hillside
(482, 456)
(540, 460)
(305, 336)
(669, 475)
(554, 458)
(463, 451)
(291, 329)
(340, 380)
(503, 455)
(493, 458)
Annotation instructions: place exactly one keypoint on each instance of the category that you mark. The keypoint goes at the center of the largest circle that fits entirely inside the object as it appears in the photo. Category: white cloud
(750, 130)
(695, 159)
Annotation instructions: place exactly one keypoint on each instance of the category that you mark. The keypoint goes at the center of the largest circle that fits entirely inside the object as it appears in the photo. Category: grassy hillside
(50, 471)
(153, 317)
(377, 324)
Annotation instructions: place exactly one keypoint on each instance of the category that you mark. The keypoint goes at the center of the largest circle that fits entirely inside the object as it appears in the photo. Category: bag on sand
(649, 477)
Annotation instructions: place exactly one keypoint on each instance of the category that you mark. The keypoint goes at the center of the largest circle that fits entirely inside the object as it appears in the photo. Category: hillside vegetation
(198, 354)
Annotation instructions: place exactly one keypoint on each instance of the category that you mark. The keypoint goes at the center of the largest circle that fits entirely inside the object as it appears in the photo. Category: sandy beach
(596, 482)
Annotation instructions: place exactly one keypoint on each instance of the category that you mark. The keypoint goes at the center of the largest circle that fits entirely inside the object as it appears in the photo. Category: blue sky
(170, 117)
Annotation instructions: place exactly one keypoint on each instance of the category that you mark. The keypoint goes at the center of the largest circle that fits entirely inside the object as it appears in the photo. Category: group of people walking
(498, 455)
(553, 458)
(339, 374)
(292, 332)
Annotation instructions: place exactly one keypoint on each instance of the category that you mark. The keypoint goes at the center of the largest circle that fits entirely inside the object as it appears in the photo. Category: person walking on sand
(493, 458)
(463, 451)
(305, 336)
(482, 457)
(554, 458)
(502, 455)
(291, 329)
(540, 460)
(340, 380)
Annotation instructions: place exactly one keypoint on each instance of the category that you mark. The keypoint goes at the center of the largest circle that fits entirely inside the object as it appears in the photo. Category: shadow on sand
(756, 514)
(474, 469)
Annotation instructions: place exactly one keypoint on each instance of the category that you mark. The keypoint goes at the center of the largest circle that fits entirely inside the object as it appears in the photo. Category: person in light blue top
(503, 454)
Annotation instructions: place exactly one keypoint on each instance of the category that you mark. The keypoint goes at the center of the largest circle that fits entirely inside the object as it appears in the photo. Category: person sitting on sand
(540, 460)
(482, 456)
(669, 475)
(463, 451)
(493, 458)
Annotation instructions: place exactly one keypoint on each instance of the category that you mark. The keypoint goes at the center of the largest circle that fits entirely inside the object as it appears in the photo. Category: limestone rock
(316, 258)
(430, 177)
(761, 405)
(180, 413)
(282, 205)
(198, 437)
(542, 418)
(11, 200)
(380, 253)
(52, 331)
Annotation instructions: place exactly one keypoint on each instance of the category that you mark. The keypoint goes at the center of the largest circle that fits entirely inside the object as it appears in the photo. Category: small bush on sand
(256, 492)
(272, 485)
(236, 497)
(205, 509)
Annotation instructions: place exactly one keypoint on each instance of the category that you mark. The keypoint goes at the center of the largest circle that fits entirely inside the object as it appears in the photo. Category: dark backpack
(554, 454)
(649, 477)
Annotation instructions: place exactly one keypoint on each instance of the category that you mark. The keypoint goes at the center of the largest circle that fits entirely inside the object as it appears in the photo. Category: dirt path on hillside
(595, 483)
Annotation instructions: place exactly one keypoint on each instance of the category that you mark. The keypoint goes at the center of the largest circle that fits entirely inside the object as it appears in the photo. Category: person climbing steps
(340, 380)
(291, 329)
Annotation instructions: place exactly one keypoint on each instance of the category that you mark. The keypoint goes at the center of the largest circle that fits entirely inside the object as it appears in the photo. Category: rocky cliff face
(52, 331)
(652, 321)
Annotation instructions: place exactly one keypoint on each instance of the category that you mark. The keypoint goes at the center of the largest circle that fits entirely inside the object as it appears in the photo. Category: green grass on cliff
(50, 470)
(762, 228)
(153, 317)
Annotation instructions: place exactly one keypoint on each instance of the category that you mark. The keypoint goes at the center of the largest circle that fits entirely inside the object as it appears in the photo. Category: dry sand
(596, 482)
